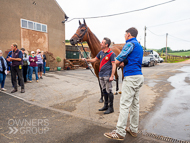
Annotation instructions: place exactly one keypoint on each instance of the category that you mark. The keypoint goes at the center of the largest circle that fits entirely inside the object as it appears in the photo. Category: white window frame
(26, 23)
(34, 25)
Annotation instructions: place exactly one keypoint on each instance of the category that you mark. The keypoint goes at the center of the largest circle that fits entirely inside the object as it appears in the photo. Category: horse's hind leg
(117, 81)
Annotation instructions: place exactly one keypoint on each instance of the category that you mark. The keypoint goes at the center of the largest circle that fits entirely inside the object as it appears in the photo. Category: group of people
(130, 59)
(21, 65)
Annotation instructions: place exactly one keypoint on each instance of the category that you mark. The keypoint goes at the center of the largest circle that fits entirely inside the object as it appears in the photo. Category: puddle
(152, 83)
(172, 118)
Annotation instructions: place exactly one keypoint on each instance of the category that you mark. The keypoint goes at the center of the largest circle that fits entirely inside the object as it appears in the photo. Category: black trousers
(25, 72)
(14, 72)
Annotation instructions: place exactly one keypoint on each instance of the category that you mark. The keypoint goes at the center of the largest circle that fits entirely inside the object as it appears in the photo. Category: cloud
(114, 27)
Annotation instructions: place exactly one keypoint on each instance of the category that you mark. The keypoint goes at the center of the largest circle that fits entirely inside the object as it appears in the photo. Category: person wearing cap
(3, 71)
(25, 64)
(33, 66)
(16, 67)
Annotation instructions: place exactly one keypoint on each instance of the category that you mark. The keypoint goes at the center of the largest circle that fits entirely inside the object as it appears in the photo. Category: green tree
(169, 50)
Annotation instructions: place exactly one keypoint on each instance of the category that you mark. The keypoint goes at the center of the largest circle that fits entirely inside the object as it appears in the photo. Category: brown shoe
(14, 90)
(114, 135)
(22, 90)
(129, 131)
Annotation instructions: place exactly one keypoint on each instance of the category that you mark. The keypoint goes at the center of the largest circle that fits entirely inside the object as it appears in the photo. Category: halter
(81, 37)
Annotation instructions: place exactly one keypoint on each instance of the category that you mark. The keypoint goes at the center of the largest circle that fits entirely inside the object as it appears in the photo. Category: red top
(33, 63)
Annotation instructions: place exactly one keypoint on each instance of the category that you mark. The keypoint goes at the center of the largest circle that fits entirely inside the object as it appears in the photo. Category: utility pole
(145, 38)
(166, 45)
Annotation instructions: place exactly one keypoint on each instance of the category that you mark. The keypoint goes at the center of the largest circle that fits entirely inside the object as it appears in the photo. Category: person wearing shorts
(39, 63)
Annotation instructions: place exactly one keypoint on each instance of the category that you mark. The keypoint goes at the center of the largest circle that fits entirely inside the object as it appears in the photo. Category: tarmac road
(68, 99)
(24, 122)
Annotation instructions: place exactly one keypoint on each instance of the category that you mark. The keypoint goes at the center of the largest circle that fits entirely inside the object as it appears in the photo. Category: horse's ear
(79, 22)
(84, 21)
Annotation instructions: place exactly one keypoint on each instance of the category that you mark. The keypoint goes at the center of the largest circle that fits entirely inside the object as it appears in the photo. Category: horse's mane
(94, 43)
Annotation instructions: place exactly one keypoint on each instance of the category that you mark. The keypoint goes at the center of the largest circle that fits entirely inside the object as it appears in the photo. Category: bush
(58, 59)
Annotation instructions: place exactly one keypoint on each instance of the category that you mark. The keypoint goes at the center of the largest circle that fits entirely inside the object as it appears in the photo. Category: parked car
(160, 60)
(148, 61)
(152, 56)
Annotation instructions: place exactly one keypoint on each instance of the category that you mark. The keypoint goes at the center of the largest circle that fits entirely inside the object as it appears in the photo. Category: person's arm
(112, 58)
(92, 60)
(42, 56)
(25, 58)
(17, 59)
(5, 63)
(45, 58)
(30, 59)
(127, 49)
(14, 59)
(113, 71)
(35, 59)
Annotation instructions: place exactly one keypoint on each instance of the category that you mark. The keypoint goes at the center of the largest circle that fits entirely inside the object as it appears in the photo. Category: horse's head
(80, 35)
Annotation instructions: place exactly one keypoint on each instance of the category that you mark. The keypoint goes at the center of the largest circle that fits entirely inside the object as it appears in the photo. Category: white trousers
(129, 99)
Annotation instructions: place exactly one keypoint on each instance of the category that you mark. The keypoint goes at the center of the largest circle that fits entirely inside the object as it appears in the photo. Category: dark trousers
(25, 72)
(16, 71)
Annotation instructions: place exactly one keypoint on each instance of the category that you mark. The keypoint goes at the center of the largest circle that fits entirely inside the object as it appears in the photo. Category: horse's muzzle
(72, 41)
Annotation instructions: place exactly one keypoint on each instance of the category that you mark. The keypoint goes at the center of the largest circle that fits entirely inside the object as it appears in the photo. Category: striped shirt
(40, 60)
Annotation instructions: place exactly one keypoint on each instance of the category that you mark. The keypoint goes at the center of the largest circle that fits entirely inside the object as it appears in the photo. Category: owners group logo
(28, 126)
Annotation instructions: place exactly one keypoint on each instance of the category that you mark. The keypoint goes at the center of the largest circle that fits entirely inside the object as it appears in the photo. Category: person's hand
(121, 64)
(9, 59)
(8, 72)
(83, 59)
(111, 78)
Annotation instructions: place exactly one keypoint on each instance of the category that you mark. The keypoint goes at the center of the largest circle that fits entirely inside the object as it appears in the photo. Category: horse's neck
(93, 43)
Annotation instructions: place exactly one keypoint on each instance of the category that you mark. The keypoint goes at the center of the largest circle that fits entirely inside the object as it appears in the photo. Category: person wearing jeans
(3, 70)
(133, 81)
(25, 64)
(33, 66)
(44, 62)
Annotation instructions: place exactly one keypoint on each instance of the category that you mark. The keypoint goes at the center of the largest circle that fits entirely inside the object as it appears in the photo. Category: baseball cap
(22, 49)
(32, 52)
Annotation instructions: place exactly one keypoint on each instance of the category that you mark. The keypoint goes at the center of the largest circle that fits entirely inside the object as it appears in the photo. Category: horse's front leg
(96, 70)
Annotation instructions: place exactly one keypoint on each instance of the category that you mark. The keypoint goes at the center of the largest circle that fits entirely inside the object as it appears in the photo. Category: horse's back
(116, 48)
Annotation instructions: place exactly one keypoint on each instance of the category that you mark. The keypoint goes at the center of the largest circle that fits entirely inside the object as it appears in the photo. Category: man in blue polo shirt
(16, 67)
(106, 73)
(133, 80)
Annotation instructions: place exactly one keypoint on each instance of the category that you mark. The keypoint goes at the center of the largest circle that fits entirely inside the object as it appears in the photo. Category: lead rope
(85, 60)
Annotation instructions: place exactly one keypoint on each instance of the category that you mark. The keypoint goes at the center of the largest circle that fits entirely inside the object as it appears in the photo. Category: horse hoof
(101, 100)
(116, 93)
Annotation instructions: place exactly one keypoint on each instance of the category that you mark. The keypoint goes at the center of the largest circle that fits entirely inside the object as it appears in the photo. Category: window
(44, 29)
(38, 27)
(33, 25)
(24, 24)
(30, 25)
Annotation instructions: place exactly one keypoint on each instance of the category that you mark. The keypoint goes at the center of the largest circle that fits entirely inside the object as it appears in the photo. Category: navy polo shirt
(106, 69)
(17, 54)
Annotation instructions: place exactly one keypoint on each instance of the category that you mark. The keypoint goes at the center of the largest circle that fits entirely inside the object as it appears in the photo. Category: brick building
(33, 24)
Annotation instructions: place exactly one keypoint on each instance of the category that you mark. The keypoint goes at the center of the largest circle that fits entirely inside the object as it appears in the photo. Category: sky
(158, 20)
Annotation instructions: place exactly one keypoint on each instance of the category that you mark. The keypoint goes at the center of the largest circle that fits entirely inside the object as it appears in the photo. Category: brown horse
(82, 34)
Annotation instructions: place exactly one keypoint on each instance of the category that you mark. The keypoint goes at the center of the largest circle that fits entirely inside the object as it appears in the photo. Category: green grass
(181, 53)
